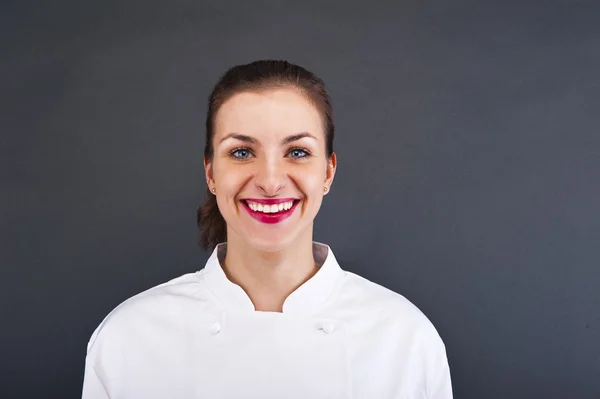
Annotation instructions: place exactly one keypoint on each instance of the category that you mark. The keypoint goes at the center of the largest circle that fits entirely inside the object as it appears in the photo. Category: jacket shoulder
(164, 299)
(383, 304)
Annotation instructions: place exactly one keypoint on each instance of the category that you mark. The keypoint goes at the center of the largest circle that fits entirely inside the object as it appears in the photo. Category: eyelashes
(235, 153)
(232, 153)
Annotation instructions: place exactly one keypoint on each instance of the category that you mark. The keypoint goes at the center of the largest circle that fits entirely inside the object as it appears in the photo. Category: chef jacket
(199, 336)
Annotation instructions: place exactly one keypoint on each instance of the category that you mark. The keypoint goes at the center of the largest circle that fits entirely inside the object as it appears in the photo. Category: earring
(214, 190)
(326, 188)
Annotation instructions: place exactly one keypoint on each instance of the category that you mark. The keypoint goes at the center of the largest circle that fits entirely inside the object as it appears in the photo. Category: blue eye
(240, 153)
(299, 153)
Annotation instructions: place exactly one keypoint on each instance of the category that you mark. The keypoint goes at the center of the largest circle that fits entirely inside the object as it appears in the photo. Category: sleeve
(93, 385)
(93, 388)
(439, 384)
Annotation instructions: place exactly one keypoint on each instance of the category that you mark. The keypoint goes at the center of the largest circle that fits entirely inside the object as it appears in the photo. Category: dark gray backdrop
(469, 160)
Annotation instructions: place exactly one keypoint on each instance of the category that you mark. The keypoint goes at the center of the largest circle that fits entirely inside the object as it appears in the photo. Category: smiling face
(269, 167)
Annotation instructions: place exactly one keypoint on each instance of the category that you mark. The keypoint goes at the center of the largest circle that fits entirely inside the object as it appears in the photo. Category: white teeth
(270, 208)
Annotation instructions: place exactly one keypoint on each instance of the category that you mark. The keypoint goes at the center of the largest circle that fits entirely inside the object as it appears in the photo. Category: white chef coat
(199, 336)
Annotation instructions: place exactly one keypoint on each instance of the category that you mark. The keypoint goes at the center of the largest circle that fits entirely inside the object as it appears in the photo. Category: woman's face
(269, 146)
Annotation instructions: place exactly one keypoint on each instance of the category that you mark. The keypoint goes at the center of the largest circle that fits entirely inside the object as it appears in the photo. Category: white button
(328, 327)
(215, 328)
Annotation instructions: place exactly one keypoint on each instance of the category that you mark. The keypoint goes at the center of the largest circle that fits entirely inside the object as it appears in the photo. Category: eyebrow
(251, 140)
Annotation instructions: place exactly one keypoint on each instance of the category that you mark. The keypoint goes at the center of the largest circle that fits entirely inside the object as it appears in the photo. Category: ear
(331, 168)
(208, 173)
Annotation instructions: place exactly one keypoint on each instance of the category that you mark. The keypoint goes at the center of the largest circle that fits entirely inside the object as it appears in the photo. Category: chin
(269, 244)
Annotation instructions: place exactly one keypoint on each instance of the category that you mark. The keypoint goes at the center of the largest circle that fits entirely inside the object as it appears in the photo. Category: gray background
(469, 159)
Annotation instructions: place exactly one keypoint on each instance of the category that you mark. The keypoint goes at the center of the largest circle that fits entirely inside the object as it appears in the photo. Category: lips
(271, 218)
(271, 201)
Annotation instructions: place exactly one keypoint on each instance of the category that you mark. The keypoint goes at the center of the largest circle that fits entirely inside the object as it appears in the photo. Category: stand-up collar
(305, 299)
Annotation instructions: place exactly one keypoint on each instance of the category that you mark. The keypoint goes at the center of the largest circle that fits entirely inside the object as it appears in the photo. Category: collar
(305, 299)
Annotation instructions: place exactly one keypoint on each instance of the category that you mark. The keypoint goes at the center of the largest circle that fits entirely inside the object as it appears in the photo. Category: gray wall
(469, 160)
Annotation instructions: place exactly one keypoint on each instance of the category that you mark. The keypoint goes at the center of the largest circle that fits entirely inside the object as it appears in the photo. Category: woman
(272, 314)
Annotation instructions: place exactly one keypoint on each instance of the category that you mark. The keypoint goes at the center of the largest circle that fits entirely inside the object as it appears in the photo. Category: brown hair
(256, 77)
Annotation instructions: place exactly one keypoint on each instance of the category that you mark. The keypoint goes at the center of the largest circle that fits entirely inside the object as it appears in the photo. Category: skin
(269, 261)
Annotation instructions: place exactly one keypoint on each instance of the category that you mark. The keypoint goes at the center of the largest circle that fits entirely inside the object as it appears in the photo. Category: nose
(270, 177)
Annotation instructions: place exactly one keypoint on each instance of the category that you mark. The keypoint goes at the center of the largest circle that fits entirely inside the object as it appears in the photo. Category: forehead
(268, 113)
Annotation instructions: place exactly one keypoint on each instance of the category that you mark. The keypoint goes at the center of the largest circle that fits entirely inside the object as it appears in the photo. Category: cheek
(227, 176)
(313, 183)
(228, 187)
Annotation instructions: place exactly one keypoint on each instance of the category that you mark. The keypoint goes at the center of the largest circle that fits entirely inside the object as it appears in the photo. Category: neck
(268, 278)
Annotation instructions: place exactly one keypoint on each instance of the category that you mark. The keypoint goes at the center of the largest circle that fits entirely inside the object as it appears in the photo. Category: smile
(270, 211)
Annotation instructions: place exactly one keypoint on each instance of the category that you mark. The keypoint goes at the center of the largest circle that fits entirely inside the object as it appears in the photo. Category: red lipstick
(271, 201)
(270, 218)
